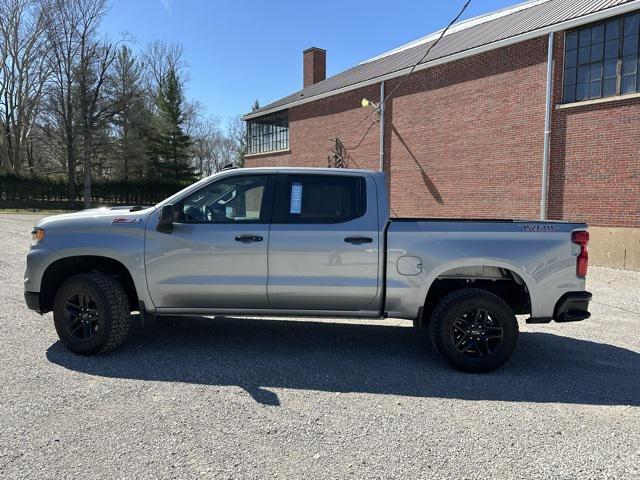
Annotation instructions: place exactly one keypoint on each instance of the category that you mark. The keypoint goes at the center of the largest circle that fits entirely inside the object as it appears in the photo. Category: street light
(367, 103)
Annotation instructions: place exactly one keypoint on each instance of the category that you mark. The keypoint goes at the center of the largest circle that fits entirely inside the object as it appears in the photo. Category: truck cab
(298, 241)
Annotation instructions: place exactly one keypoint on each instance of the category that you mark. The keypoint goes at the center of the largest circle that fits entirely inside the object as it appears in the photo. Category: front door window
(233, 200)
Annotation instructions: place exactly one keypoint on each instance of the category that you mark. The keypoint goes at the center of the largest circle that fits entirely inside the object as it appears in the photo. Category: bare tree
(206, 149)
(24, 70)
(238, 136)
(95, 60)
(75, 104)
(81, 64)
(63, 26)
(224, 152)
(161, 57)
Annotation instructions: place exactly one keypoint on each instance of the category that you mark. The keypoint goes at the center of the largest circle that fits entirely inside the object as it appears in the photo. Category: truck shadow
(261, 354)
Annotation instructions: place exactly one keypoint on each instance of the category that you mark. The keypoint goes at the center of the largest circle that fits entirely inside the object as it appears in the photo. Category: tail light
(582, 264)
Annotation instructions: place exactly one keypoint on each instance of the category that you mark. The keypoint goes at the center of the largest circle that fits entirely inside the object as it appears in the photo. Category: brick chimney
(314, 62)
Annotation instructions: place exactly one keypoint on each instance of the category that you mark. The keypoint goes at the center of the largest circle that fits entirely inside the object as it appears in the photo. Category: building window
(268, 134)
(601, 60)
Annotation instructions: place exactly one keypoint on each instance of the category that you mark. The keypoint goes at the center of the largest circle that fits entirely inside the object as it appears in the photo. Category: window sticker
(296, 198)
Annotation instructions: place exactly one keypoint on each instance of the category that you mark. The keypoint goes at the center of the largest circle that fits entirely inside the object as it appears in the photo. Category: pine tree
(132, 120)
(170, 144)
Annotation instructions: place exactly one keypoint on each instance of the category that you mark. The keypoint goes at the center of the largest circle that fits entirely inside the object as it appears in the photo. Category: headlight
(37, 234)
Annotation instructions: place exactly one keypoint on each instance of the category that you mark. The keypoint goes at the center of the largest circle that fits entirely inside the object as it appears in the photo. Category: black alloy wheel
(474, 330)
(477, 333)
(81, 316)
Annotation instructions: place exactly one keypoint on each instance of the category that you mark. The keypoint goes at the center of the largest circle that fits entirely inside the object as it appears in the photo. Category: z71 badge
(539, 228)
(123, 220)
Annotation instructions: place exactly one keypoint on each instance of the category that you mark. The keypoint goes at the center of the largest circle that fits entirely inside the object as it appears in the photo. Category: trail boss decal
(539, 228)
(123, 220)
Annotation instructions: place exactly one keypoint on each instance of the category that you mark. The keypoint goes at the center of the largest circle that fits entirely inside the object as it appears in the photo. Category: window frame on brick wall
(269, 133)
(602, 60)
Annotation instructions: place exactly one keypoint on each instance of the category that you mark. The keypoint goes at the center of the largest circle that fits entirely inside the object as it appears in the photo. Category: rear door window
(320, 198)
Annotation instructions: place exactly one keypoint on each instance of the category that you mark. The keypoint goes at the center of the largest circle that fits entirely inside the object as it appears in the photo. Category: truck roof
(310, 169)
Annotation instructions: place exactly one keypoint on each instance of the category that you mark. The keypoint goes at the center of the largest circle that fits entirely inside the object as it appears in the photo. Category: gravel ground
(246, 398)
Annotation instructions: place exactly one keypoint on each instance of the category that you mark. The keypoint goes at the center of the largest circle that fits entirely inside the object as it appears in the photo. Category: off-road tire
(112, 309)
(458, 304)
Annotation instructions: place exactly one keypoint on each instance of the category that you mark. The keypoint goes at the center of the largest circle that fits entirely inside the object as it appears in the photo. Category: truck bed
(471, 220)
(539, 253)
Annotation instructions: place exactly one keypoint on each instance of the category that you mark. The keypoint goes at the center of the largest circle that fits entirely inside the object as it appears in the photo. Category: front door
(216, 256)
(324, 241)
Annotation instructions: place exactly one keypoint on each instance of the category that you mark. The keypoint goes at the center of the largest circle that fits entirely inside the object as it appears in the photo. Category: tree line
(82, 108)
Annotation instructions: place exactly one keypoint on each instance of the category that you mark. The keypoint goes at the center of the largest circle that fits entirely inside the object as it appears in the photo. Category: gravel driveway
(246, 398)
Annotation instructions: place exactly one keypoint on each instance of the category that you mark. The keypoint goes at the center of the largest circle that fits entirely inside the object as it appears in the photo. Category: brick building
(480, 124)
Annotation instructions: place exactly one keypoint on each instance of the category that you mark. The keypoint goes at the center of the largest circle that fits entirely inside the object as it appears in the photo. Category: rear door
(324, 241)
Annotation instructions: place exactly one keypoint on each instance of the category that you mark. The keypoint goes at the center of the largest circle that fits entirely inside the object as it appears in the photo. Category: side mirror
(165, 221)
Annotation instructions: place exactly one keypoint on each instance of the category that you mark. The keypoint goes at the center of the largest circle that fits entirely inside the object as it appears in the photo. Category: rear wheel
(91, 313)
(474, 330)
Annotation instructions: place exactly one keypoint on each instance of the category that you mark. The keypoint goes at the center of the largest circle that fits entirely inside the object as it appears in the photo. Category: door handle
(249, 238)
(358, 240)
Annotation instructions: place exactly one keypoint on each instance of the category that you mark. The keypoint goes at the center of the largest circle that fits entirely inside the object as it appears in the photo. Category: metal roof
(473, 36)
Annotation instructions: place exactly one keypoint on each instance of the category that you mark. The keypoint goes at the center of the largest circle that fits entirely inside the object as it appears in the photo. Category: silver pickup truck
(305, 242)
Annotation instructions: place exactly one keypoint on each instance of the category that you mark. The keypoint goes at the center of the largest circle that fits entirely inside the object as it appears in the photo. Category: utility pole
(544, 197)
(381, 113)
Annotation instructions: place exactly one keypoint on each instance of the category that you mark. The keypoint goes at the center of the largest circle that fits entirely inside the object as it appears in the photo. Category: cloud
(167, 4)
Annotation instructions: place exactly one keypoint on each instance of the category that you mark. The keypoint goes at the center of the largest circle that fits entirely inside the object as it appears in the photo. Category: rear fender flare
(479, 262)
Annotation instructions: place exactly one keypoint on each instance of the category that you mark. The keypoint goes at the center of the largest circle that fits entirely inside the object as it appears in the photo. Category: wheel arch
(509, 282)
(64, 268)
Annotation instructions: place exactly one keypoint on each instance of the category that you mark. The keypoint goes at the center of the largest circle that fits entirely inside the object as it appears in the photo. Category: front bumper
(32, 299)
(572, 307)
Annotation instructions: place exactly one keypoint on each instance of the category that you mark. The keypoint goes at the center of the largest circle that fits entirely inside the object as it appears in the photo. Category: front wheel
(474, 330)
(91, 313)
